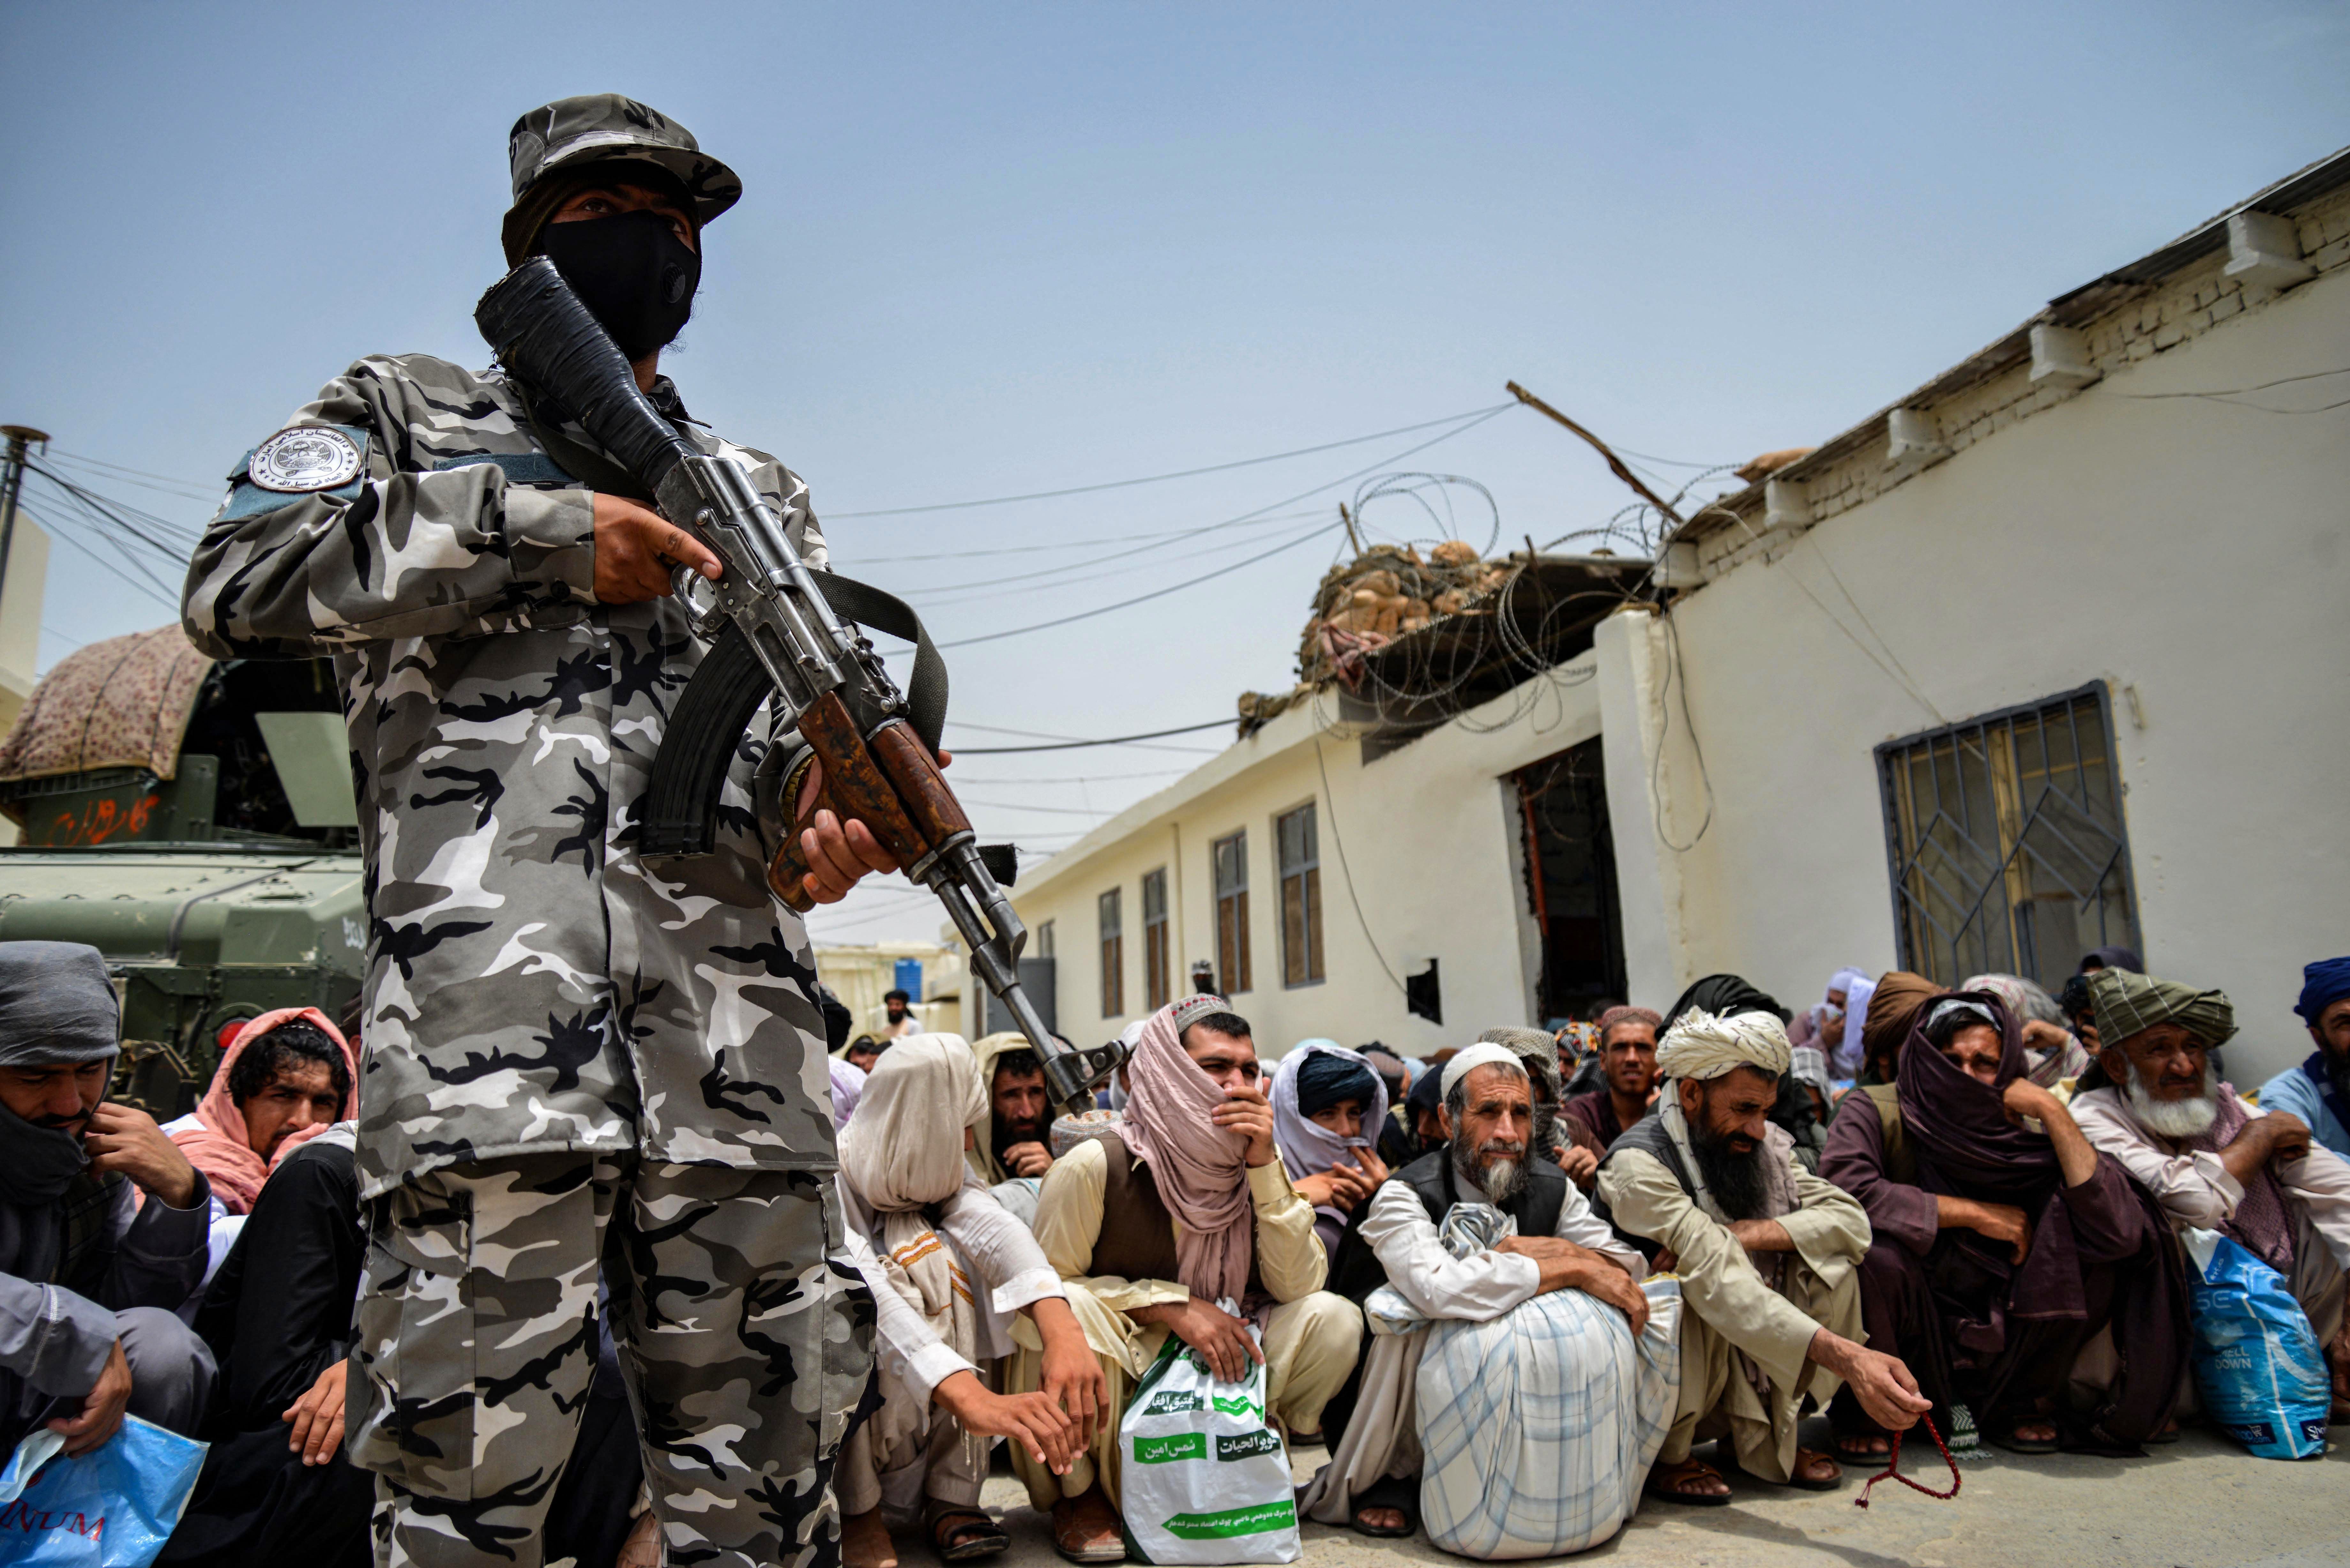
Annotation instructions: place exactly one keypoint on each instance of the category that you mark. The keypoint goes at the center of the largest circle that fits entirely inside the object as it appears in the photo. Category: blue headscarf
(2322, 984)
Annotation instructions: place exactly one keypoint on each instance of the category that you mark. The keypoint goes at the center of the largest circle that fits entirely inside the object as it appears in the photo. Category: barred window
(1113, 958)
(1300, 897)
(2006, 842)
(1158, 978)
(1230, 856)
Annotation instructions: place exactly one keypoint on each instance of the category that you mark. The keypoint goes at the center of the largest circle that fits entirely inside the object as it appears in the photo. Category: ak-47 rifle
(778, 631)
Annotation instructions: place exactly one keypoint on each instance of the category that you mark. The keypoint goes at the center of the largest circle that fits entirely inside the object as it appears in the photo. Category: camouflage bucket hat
(599, 127)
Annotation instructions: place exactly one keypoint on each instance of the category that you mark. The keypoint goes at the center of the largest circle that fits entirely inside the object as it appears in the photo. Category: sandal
(1401, 1494)
(1796, 1478)
(1086, 1530)
(962, 1534)
(1665, 1482)
(1847, 1452)
(2015, 1445)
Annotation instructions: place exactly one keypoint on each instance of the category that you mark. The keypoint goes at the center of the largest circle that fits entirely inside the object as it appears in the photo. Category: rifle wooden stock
(888, 781)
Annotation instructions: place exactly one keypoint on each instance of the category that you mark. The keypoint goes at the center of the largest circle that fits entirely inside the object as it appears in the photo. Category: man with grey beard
(2212, 1161)
(1372, 1480)
(1768, 1255)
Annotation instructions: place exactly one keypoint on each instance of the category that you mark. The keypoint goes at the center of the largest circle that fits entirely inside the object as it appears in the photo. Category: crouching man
(1373, 1479)
(2213, 1162)
(89, 1276)
(1150, 1227)
(948, 1268)
(1768, 1255)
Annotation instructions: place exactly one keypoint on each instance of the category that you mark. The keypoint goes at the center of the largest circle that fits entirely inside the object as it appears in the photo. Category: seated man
(2210, 1159)
(1628, 1070)
(286, 1077)
(1185, 1206)
(89, 1276)
(1564, 1141)
(1013, 1149)
(2050, 1055)
(1768, 1255)
(1999, 1251)
(863, 1051)
(2318, 1091)
(948, 1269)
(1372, 1481)
(1327, 1106)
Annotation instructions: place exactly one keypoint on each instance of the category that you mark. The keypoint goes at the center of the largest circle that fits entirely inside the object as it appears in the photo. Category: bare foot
(1390, 1519)
(864, 1541)
(1863, 1448)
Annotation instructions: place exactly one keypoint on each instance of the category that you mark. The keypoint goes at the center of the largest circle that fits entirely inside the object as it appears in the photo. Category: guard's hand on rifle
(839, 854)
(636, 546)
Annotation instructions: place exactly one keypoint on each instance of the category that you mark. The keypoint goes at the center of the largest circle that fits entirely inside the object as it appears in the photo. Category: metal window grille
(1230, 858)
(1300, 897)
(1113, 958)
(2006, 843)
(1158, 979)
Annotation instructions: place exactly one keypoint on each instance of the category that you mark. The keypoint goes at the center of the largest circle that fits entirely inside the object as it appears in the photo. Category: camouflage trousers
(745, 1352)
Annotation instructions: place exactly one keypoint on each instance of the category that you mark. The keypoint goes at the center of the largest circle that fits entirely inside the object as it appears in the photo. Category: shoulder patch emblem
(305, 458)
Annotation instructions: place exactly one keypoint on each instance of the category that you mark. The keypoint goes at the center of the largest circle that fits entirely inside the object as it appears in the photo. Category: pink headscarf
(1200, 1169)
(221, 1146)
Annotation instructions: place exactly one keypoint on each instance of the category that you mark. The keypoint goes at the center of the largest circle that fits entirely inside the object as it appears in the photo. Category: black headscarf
(1722, 995)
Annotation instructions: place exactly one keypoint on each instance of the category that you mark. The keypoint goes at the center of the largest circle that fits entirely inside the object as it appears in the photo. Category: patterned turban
(1702, 1045)
(2126, 1003)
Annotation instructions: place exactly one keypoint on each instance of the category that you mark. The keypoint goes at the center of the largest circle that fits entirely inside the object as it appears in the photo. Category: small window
(1300, 897)
(1112, 958)
(1044, 939)
(1157, 975)
(1231, 912)
(2006, 843)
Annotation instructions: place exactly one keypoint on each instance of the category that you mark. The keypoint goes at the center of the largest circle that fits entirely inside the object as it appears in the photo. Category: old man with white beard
(1501, 1481)
(1768, 1256)
(2212, 1161)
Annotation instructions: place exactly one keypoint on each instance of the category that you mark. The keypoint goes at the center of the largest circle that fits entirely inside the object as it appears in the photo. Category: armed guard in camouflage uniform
(572, 1055)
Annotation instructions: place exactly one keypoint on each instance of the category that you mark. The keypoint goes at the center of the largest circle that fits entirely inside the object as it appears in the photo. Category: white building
(2048, 654)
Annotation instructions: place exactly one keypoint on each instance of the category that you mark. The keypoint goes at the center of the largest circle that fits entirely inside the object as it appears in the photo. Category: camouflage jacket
(532, 985)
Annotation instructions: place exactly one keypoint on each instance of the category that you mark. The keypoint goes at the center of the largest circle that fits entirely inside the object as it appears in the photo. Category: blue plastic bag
(2257, 1364)
(111, 1507)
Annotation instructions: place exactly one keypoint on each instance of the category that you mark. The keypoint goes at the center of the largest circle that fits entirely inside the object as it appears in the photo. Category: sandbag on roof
(121, 703)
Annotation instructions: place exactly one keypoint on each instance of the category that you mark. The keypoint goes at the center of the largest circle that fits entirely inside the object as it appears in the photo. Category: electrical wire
(1346, 872)
(1067, 745)
(1221, 571)
(1179, 474)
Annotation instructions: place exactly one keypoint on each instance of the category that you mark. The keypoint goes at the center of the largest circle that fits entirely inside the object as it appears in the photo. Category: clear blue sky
(990, 250)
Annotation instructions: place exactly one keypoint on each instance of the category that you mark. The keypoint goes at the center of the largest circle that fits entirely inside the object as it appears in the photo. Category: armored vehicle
(194, 822)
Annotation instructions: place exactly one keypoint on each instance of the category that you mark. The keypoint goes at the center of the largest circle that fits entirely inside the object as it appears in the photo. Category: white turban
(1701, 1046)
(1484, 1053)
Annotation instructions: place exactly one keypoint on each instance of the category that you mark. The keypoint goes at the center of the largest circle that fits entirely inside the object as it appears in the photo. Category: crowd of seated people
(1957, 1203)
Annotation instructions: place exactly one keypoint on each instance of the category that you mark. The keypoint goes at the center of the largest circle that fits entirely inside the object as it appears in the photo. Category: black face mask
(631, 272)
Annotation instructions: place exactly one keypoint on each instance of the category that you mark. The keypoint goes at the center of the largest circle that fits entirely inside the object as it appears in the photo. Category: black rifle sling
(926, 688)
(716, 709)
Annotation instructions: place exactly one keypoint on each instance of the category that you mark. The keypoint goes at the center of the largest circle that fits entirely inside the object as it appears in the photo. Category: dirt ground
(2199, 1503)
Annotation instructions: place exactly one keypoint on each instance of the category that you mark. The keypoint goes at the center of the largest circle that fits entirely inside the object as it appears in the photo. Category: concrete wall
(2193, 554)
(1431, 847)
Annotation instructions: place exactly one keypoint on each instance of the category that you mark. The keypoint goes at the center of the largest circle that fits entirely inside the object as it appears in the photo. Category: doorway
(1570, 859)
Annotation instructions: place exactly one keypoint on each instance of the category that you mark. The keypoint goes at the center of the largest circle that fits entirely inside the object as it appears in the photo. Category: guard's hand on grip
(788, 872)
